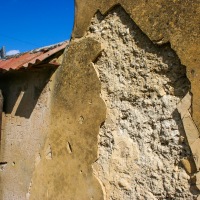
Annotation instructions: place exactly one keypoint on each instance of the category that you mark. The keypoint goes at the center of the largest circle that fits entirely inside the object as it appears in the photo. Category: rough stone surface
(174, 21)
(142, 144)
(192, 165)
(142, 140)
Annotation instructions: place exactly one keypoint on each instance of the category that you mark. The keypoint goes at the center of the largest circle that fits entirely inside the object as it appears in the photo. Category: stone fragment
(160, 91)
(198, 180)
(189, 165)
(190, 129)
(124, 184)
(184, 105)
(195, 148)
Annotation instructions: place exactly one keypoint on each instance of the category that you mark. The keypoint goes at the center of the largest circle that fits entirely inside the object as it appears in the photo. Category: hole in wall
(141, 84)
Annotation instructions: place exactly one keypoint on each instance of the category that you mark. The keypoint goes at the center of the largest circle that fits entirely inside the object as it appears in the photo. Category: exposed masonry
(142, 140)
(192, 135)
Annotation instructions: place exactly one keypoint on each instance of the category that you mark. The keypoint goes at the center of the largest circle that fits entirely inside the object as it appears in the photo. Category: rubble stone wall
(142, 142)
(125, 105)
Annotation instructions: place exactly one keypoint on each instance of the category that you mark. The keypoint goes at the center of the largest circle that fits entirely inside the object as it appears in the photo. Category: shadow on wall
(22, 89)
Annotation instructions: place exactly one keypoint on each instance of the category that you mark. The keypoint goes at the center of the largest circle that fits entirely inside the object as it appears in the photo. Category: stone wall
(152, 108)
(142, 141)
(124, 117)
(173, 21)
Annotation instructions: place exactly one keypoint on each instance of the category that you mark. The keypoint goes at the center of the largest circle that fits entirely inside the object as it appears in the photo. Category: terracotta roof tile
(30, 58)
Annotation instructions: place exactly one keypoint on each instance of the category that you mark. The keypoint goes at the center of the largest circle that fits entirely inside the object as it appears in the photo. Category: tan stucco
(76, 114)
(173, 21)
(68, 144)
(77, 110)
(24, 126)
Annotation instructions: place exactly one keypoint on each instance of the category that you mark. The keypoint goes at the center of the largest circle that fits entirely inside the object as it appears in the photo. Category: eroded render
(124, 106)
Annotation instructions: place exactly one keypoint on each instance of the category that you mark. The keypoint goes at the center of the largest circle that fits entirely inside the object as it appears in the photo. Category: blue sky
(29, 24)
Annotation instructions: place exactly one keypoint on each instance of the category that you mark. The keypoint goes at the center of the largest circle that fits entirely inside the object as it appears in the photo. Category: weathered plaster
(192, 133)
(142, 142)
(25, 122)
(65, 169)
(173, 21)
(162, 21)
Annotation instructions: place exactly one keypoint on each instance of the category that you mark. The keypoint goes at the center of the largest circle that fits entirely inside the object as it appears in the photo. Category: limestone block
(184, 105)
(190, 130)
(198, 182)
(189, 165)
(195, 148)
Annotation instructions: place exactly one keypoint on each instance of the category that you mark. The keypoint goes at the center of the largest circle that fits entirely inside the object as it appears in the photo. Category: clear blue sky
(29, 24)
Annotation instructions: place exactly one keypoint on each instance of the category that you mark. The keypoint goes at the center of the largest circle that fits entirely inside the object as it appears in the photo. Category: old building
(120, 119)
(25, 82)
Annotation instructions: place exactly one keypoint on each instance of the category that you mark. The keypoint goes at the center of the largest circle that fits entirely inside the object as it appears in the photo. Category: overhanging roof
(31, 58)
